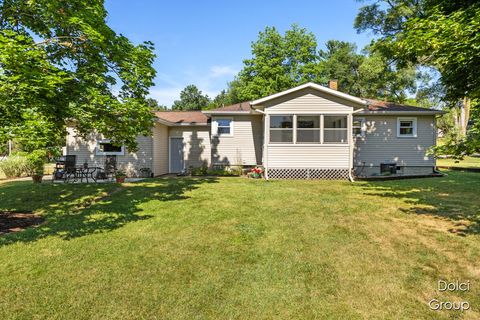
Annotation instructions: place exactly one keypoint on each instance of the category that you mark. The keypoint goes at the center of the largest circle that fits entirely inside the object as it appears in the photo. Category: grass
(198, 248)
(468, 162)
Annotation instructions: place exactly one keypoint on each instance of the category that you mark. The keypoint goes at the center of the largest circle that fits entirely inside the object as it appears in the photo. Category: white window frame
(293, 128)
(216, 126)
(319, 116)
(414, 127)
(333, 129)
(108, 153)
(363, 127)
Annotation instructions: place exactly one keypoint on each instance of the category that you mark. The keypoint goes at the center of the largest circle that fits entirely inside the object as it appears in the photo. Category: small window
(308, 129)
(106, 148)
(281, 129)
(224, 127)
(335, 129)
(359, 127)
(406, 127)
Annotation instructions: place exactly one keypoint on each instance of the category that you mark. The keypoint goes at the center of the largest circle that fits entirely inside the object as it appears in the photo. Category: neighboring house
(309, 131)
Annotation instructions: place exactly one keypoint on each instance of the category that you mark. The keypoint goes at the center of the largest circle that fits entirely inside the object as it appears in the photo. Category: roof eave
(190, 124)
(209, 112)
(180, 124)
(394, 113)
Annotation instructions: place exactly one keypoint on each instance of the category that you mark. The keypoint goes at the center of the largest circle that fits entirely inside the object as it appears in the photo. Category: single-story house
(309, 131)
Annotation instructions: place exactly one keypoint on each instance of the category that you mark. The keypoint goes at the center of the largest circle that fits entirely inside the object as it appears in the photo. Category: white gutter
(398, 113)
(359, 110)
(258, 110)
(181, 124)
(226, 112)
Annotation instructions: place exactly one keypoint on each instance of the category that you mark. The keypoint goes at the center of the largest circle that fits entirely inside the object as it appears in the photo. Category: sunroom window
(281, 129)
(308, 129)
(335, 129)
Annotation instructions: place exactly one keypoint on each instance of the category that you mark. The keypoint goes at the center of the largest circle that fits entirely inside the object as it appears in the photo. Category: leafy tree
(154, 105)
(281, 62)
(191, 98)
(437, 33)
(341, 61)
(61, 64)
(278, 63)
(222, 99)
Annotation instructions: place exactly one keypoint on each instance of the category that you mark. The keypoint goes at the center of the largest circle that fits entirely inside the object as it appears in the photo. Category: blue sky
(204, 42)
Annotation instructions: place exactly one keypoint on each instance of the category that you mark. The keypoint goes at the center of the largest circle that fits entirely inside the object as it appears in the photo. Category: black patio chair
(109, 169)
(65, 168)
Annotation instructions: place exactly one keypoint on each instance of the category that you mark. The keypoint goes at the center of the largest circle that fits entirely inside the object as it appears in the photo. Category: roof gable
(314, 86)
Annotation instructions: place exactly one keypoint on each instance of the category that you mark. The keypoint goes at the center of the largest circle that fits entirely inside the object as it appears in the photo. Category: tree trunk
(464, 115)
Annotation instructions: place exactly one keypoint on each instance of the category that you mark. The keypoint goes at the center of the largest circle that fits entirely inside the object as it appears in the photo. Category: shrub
(225, 171)
(200, 171)
(36, 162)
(120, 174)
(14, 166)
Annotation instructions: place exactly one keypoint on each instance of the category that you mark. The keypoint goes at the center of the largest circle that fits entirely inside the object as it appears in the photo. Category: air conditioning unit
(388, 167)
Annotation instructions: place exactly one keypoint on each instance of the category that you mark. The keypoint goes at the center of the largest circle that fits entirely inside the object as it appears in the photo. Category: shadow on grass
(454, 197)
(73, 211)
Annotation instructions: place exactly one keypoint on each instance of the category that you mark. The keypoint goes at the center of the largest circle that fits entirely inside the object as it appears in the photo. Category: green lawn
(244, 249)
(468, 162)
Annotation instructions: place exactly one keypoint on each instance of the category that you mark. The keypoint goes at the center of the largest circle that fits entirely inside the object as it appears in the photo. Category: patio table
(81, 172)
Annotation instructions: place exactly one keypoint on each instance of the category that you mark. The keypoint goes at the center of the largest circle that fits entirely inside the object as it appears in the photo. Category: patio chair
(109, 169)
(65, 168)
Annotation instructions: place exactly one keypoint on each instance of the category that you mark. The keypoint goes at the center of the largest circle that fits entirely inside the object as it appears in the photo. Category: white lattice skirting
(323, 174)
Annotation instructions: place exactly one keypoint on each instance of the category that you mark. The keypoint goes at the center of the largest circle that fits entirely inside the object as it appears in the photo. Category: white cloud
(165, 96)
(219, 71)
(211, 82)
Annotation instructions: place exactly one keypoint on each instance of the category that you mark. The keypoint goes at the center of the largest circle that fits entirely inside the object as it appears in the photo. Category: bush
(216, 171)
(14, 166)
(200, 171)
(36, 162)
(225, 171)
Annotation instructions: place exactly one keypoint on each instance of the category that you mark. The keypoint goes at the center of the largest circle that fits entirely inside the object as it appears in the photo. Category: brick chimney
(333, 84)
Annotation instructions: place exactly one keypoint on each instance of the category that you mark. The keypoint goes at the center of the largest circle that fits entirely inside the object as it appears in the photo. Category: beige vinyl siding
(307, 101)
(160, 149)
(302, 156)
(85, 150)
(196, 141)
(244, 147)
(311, 102)
(381, 143)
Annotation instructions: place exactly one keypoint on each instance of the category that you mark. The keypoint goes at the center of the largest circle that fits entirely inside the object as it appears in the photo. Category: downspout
(265, 152)
(350, 146)
(350, 170)
(265, 139)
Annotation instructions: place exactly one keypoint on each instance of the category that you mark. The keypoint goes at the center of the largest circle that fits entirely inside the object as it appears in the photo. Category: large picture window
(308, 129)
(335, 129)
(281, 129)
